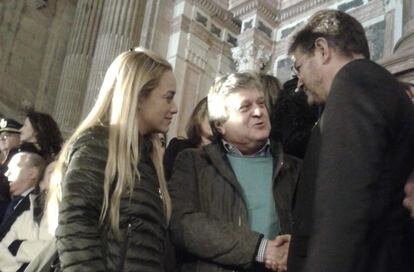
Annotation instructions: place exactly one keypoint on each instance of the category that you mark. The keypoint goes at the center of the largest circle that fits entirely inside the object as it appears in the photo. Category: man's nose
(299, 85)
(258, 111)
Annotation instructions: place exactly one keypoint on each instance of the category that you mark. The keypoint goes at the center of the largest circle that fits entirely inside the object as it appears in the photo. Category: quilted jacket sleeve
(79, 241)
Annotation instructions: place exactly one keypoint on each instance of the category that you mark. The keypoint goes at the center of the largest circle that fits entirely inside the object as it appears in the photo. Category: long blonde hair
(131, 76)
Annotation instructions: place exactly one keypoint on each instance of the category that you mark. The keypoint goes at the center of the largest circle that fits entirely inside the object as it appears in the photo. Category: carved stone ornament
(251, 57)
(38, 4)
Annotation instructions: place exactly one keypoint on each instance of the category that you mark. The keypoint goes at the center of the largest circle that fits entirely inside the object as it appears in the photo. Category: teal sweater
(254, 175)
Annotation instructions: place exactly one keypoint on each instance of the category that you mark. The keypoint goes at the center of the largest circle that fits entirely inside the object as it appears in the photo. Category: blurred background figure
(9, 140)
(271, 88)
(198, 134)
(409, 89)
(292, 119)
(25, 170)
(29, 234)
(41, 134)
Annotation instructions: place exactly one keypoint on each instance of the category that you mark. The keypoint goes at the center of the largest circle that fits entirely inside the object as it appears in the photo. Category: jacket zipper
(125, 248)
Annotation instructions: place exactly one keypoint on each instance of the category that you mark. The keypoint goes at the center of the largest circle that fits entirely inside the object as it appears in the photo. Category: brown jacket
(209, 221)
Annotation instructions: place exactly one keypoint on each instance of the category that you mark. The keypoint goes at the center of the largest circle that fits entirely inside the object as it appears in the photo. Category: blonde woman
(115, 206)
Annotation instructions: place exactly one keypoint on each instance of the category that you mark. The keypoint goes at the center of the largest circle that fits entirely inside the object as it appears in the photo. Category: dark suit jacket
(23, 205)
(348, 214)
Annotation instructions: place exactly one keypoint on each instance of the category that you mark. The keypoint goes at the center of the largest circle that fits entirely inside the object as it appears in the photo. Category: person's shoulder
(96, 135)
(363, 79)
(25, 147)
(360, 63)
(179, 143)
(93, 142)
(364, 70)
(209, 150)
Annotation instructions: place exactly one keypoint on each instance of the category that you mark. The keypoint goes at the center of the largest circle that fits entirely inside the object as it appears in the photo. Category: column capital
(259, 18)
(38, 4)
(251, 57)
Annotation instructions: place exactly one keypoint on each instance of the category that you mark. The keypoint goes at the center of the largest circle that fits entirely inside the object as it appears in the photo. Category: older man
(348, 214)
(24, 173)
(232, 198)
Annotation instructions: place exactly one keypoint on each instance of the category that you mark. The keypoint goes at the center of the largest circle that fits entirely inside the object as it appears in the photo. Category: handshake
(276, 253)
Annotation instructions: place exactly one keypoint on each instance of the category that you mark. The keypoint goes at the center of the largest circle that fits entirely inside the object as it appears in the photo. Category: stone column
(202, 33)
(407, 40)
(149, 23)
(401, 63)
(10, 16)
(408, 17)
(76, 65)
(119, 30)
(255, 44)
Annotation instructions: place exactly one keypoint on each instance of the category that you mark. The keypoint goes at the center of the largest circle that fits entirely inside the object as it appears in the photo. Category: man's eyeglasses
(295, 67)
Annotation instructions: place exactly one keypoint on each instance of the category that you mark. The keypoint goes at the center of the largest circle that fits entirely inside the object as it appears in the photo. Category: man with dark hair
(232, 198)
(292, 119)
(347, 213)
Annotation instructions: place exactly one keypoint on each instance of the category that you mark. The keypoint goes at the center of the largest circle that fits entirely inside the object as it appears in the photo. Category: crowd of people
(313, 175)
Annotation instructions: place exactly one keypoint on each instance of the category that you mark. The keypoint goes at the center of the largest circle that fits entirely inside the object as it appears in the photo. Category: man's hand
(409, 196)
(276, 253)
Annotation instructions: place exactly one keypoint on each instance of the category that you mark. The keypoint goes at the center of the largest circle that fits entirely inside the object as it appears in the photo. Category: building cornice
(217, 12)
(299, 8)
(206, 36)
(269, 13)
(399, 63)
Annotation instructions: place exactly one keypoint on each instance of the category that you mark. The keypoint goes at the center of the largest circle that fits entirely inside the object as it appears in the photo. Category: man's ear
(323, 49)
(33, 173)
(219, 127)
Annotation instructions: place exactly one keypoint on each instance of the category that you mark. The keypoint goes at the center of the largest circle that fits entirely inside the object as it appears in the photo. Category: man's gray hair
(34, 160)
(223, 87)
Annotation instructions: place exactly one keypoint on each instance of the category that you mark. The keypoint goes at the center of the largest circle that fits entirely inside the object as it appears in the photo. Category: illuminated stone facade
(53, 54)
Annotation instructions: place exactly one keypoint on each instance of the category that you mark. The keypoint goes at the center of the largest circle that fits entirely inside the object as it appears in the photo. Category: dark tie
(10, 209)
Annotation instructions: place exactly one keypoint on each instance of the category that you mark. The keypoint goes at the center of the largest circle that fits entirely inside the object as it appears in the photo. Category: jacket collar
(278, 158)
(232, 149)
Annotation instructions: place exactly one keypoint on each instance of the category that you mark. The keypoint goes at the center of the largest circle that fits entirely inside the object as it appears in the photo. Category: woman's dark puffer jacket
(85, 245)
